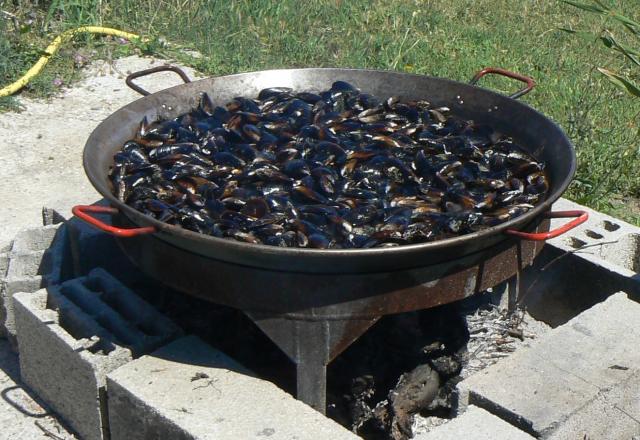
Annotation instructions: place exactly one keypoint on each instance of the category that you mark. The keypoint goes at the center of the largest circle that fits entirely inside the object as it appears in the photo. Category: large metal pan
(292, 294)
(536, 133)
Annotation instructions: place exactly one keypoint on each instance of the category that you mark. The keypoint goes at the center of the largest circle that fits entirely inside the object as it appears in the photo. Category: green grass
(452, 39)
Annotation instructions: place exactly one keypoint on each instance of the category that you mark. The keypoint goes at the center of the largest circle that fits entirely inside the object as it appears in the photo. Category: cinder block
(602, 239)
(580, 268)
(476, 424)
(29, 264)
(66, 371)
(560, 285)
(38, 257)
(189, 390)
(92, 248)
(4, 264)
(133, 322)
(71, 335)
(35, 239)
(613, 414)
(539, 388)
(51, 216)
(6, 247)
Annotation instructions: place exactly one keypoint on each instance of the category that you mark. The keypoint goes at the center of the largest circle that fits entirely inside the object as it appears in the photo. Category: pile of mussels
(336, 169)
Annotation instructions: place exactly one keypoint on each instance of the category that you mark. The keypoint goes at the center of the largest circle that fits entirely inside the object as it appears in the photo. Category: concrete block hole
(593, 234)
(576, 243)
(610, 226)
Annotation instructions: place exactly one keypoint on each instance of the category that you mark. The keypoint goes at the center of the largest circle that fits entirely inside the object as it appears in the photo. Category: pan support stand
(311, 345)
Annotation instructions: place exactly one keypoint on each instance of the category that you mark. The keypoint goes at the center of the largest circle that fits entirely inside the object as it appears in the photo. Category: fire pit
(315, 303)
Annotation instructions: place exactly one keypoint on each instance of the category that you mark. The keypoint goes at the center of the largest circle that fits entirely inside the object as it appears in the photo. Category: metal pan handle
(580, 218)
(81, 211)
(530, 83)
(165, 68)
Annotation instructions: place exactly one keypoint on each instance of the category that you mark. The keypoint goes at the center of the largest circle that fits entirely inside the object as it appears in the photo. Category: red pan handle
(530, 83)
(580, 217)
(81, 211)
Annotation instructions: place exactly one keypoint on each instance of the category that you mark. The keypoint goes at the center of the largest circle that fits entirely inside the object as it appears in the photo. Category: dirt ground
(42, 146)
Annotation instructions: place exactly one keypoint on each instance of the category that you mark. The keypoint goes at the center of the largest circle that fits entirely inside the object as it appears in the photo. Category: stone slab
(476, 424)
(539, 388)
(189, 390)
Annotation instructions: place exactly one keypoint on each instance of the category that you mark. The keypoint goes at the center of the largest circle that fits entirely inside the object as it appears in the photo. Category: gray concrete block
(613, 414)
(476, 424)
(10, 287)
(579, 269)
(4, 264)
(132, 321)
(51, 216)
(62, 370)
(29, 263)
(22, 416)
(6, 246)
(539, 388)
(92, 248)
(189, 390)
(602, 239)
(71, 335)
(34, 239)
(38, 257)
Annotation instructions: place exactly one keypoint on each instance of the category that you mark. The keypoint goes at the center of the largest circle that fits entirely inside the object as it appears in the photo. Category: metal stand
(312, 345)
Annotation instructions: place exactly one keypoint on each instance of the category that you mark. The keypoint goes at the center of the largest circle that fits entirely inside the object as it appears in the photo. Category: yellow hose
(53, 48)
